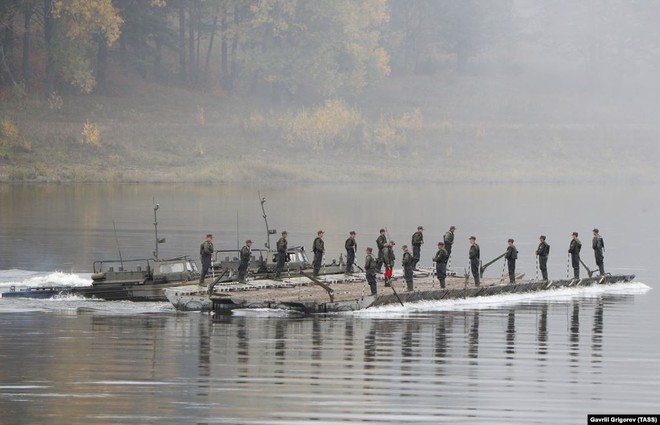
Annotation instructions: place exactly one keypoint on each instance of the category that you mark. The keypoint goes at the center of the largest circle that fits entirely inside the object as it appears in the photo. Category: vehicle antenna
(238, 244)
(121, 260)
(156, 206)
(268, 231)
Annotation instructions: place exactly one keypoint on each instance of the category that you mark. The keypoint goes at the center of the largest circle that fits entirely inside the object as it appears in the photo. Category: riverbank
(164, 134)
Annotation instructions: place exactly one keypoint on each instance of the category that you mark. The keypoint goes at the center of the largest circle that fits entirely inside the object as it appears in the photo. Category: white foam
(265, 312)
(24, 279)
(498, 301)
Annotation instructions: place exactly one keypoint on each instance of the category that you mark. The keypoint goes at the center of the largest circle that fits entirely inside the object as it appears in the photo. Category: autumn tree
(313, 46)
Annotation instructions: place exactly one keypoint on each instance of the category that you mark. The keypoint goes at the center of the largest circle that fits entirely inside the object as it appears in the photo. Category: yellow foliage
(9, 130)
(11, 138)
(333, 123)
(91, 134)
(85, 18)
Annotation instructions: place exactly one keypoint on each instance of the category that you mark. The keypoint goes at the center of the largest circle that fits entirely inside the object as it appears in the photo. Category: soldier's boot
(410, 286)
(442, 283)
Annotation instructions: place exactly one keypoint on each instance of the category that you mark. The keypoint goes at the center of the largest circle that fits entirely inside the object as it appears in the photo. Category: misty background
(255, 91)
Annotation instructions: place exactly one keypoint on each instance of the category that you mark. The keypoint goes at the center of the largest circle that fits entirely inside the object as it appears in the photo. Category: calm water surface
(550, 358)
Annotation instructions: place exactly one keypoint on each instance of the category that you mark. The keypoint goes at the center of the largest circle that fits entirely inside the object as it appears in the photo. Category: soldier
(282, 246)
(318, 247)
(407, 263)
(417, 241)
(246, 253)
(388, 260)
(574, 249)
(205, 252)
(543, 251)
(474, 256)
(370, 270)
(599, 246)
(511, 257)
(440, 259)
(381, 242)
(449, 239)
(351, 249)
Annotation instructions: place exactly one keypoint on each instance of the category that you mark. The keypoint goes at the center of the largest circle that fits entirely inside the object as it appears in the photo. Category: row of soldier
(386, 257)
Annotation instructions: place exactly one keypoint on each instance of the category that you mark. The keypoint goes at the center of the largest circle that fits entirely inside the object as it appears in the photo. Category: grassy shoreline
(168, 135)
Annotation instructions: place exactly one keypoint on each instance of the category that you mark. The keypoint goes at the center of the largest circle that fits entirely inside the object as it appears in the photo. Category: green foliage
(318, 46)
(73, 63)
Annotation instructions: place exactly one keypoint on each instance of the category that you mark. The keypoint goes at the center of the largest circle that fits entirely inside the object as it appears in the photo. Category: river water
(539, 358)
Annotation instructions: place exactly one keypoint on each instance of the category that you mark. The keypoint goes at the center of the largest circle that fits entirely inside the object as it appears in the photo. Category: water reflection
(542, 336)
(574, 335)
(443, 328)
(510, 335)
(238, 368)
(204, 358)
(473, 338)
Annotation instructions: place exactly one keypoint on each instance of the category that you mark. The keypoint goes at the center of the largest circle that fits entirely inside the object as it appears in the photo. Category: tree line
(291, 49)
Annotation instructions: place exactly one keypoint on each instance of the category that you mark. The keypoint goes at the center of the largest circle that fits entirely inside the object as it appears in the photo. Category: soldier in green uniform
(574, 249)
(282, 246)
(543, 251)
(449, 240)
(511, 256)
(417, 242)
(370, 270)
(351, 249)
(205, 252)
(318, 248)
(246, 253)
(407, 262)
(599, 246)
(474, 255)
(388, 260)
(440, 259)
(381, 242)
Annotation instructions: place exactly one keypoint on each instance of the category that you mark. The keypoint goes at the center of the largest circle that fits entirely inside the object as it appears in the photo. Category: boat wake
(497, 301)
(30, 279)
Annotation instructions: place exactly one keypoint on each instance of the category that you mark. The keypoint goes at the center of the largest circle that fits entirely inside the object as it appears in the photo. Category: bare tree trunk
(224, 65)
(191, 44)
(234, 48)
(26, 47)
(210, 49)
(182, 44)
(49, 24)
(8, 36)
